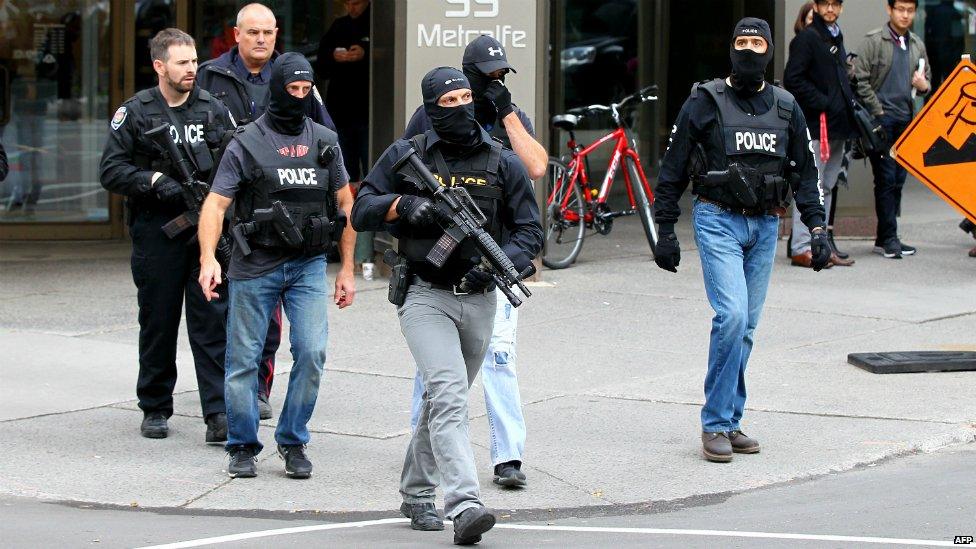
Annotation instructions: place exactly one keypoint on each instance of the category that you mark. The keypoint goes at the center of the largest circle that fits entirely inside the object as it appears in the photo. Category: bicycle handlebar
(644, 95)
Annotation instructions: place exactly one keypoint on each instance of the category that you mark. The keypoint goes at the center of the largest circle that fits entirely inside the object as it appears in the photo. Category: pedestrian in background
(892, 68)
(343, 60)
(816, 75)
(804, 18)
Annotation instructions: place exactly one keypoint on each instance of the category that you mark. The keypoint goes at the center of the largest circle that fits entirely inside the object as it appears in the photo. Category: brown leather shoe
(716, 447)
(742, 444)
(806, 260)
(839, 261)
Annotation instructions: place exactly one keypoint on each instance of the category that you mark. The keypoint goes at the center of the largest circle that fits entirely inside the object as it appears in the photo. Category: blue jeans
(506, 425)
(889, 179)
(301, 285)
(737, 259)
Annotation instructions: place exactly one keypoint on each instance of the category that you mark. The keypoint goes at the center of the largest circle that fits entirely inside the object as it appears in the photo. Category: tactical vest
(758, 141)
(299, 182)
(205, 147)
(259, 95)
(478, 174)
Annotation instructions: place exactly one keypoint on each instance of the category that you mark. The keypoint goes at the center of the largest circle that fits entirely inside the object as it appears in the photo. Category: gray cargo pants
(448, 335)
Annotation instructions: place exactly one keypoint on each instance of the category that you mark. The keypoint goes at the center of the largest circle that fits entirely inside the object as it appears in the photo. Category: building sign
(939, 146)
(437, 32)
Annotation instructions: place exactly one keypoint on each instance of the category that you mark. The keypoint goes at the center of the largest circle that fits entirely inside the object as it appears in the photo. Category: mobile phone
(343, 50)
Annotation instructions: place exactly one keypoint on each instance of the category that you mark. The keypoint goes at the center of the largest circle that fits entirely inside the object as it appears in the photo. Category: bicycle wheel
(564, 209)
(643, 207)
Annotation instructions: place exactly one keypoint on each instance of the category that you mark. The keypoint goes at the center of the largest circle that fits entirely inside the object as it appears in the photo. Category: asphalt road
(903, 501)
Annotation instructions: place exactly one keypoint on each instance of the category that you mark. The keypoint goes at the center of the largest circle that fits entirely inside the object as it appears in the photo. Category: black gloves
(667, 253)
(416, 210)
(498, 94)
(820, 249)
(167, 189)
(477, 279)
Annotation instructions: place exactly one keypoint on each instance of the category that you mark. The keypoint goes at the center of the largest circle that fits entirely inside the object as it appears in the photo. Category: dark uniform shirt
(697, 123)
(119, 171)
(519, 212)
(234, 165)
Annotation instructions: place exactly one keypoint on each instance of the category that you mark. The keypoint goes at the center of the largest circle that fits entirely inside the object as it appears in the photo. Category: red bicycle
(573, 205)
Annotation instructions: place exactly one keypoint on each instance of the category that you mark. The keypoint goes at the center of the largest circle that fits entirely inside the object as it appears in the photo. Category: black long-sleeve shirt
(519, 211)
(121, 173)
(348, 93)
(698, 123)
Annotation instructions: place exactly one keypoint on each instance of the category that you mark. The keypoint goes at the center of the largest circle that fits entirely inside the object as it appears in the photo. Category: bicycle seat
(565, 121)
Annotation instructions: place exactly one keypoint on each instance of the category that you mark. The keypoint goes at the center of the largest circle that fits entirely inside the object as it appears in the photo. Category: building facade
(66, 65)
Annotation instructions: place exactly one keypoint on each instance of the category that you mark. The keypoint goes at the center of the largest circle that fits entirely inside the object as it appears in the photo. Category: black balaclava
(455, 125)
(749, 67)
(484, 111)
(286, 113)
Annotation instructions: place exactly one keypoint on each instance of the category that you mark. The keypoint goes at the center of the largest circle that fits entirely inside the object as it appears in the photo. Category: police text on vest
(297, 176)
(753, 141)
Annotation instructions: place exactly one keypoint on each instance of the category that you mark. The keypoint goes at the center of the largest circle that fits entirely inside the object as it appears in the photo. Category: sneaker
(906, 249)
(509, 474)
(216, 428)
(264, 407)
(243, 463)
(423, 516)
(716, 447)
(297, 464)
(368, 271)
(154, 425)
(890, 250)
(470, 524)
(742, 444)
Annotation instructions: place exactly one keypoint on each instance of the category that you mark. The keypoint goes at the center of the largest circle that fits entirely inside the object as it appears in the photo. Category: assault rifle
(460, 218)
(194, 192)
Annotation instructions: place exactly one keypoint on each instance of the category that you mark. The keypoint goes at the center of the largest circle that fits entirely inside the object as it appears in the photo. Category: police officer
(240, 78)
(744, 145)
(485, 64)
(285, 176)
(164, 269)
(447, 313)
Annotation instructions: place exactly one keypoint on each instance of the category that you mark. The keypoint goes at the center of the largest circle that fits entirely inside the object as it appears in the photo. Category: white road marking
(726, 533)
(550, 528)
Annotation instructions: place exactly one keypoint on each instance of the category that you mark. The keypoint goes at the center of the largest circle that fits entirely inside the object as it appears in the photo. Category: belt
(749, 212)
(453, 288)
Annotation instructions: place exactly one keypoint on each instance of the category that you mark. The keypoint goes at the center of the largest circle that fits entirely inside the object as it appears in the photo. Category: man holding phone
(344, 61)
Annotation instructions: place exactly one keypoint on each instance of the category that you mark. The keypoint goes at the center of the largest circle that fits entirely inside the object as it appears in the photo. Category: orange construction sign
(939, 146)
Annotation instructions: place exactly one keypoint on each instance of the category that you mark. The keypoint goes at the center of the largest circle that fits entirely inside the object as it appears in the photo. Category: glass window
(56, 58)
(949, 30)
(599, 54)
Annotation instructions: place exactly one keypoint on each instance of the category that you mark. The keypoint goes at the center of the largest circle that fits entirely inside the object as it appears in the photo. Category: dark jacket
(3, 163)
(874, 62)
(818, 80)
(348, 93)
(217, 76)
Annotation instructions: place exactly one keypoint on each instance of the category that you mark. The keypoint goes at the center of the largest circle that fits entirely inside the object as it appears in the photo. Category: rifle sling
(172, 120)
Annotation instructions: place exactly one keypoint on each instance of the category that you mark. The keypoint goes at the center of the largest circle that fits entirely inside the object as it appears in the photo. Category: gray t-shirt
(230, 174)
(896, 90)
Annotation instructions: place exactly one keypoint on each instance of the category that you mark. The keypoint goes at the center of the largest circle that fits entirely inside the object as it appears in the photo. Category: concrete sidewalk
(611, 360)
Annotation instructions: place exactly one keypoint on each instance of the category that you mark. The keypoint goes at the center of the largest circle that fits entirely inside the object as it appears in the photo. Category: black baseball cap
(487, 55)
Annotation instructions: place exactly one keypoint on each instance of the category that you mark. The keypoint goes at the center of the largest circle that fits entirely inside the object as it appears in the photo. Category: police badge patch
(119, 118)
